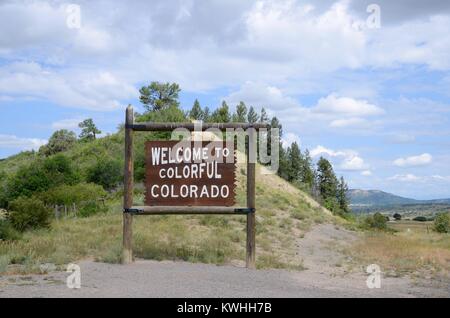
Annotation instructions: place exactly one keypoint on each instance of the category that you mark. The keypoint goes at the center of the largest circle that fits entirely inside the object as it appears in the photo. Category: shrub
(107, 173)
(397, 216)
(60, 170)
(40, 176)
(91, 208)
(420, 219)
(332, 205)
(70, 194)
(28, 213)
(442, 223)
(377, 221)
(61, 140)
(7, 231)
(85, 196)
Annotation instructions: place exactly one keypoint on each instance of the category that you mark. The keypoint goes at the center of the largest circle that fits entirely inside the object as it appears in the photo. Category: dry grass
(412, 250)
(283, 214)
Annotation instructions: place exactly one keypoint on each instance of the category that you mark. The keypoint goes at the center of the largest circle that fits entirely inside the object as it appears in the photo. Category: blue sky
(373, 98)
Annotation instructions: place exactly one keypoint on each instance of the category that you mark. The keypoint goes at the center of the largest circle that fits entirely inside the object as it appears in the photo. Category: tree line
(32, 187)
(296, 166)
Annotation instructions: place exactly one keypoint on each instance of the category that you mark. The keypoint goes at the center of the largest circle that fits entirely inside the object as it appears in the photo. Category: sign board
(189, 173)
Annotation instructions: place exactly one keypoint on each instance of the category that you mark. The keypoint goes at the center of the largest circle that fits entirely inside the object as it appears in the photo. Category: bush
(28, 213)
(397, 216)
(70, 194)
(61, 140)
(91, 208)
(420, 219)
(377, 221)
(40, 176)
(7, 231)
(85, 196)
(107, 173)
(332, 205)
(442, 223)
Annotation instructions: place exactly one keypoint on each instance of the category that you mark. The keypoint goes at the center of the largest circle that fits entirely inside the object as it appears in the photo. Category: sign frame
(190, 173)
(129, 210)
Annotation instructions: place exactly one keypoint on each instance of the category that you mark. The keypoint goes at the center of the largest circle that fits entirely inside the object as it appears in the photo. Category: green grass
(284, 213)
(206, 239)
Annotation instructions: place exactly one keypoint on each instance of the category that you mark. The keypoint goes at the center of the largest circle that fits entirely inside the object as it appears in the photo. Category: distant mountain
(376, 198)
(369, 201)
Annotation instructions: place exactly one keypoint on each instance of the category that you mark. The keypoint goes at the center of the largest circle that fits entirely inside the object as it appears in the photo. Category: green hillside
(284, 214)
(376, 198)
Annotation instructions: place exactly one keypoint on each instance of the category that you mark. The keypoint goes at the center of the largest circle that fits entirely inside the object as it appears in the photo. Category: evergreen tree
(283, 169)
(252, 116)
(222, 114)
(327, 184)
(88, 129)
(342, 195)
(61, 140)
(206, 116)
(157, 96)
(263, 118)
(295, 159)
(307, 176)
(240, 116)
(196, 112)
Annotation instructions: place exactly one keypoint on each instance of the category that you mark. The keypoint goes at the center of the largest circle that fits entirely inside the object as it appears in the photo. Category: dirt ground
(328, 273)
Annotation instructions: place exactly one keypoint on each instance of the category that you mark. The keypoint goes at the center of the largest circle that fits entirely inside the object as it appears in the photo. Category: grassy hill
(370, 201)
(376, 198)
(284, 214)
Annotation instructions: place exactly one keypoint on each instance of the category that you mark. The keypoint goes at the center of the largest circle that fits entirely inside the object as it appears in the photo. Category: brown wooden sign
(189, 173)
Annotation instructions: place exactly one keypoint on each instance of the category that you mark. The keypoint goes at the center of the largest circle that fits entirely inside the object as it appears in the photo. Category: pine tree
(252, 116)
(88, 129)
(295, 159)
(222, 114)
(206, 116)
(327, 184)
(196, 112)
(283, 169)
(240, 116)
(263, 118)
(307, 171)
(157, 96)
(342, 195)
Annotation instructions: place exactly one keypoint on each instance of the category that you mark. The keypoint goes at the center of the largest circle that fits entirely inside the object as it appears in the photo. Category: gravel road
(180, 279)
(322, 277)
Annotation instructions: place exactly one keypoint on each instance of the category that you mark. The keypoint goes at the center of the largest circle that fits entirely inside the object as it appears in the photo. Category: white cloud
(258, 94)
(351, 161)
(271, 41)
(289, 138)
(414, 161)
(82, 89)
(11, 141)
(366, 173)
(405, 177)
(331, 111)
(320, 150)
(332, 104)
(70, 123)
(401, 138)
(278, 43)
(349, 122)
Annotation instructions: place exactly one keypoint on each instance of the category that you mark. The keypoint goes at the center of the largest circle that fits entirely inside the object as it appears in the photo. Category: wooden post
(251, 176)
(127, 249)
